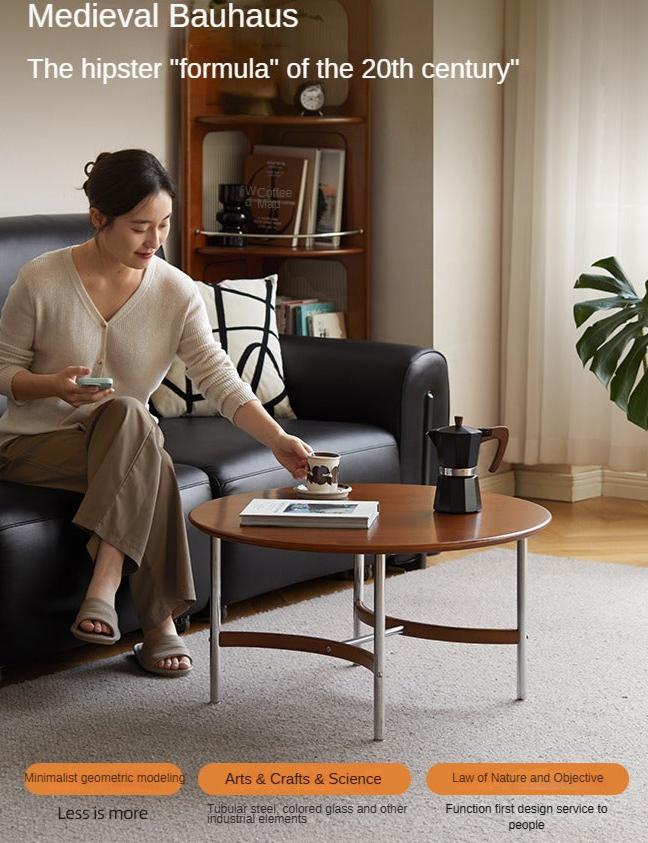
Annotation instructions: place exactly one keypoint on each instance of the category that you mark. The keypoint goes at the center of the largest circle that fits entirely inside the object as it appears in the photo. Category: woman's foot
(97, 627)
(103, 586)
(96, 622)
(102, 591)
(175, 662)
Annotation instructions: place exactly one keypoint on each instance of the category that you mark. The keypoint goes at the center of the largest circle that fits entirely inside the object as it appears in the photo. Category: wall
(467, 209)
(402, 178)
(437, 172)
(52, 127)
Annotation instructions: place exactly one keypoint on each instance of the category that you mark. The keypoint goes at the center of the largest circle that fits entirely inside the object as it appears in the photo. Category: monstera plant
(616, 344)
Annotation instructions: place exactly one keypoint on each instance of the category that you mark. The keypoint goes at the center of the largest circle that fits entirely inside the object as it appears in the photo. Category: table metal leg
(521, 618)
(215, 621)
(379, 645)
(358, 591)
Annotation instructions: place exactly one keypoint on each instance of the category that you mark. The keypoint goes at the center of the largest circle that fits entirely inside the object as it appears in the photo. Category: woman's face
(134, 237)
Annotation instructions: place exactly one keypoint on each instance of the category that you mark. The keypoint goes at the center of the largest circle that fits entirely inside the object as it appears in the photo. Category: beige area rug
(587, 701)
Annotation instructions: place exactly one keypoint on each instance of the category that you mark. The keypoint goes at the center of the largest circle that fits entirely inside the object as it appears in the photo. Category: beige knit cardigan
(49, 322)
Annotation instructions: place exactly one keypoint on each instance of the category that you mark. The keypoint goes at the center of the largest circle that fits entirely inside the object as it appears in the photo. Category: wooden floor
(602, 529)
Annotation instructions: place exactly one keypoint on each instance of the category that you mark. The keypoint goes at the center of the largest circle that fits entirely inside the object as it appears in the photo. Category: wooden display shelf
(317, 252)
(279, 120)
(345, 126)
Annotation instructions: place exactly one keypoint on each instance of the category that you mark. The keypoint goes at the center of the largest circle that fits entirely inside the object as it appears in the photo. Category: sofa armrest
(372, 382)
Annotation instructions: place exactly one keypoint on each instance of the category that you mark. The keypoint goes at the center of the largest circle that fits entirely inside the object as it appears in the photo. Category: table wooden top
(407, 523)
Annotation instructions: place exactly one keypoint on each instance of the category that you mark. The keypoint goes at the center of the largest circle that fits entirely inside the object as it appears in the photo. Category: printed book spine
(269, 521)
(316, 522)
(289, 309)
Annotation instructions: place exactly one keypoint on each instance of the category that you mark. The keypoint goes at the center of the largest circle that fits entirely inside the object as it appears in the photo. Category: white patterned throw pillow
(242, 316)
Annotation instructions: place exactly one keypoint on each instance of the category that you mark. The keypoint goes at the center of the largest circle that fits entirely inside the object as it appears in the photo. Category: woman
(109, 307)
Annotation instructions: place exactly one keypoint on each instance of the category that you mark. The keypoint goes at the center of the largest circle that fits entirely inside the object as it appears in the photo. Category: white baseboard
(625, 484)
(567, 483)
(501, 484)
(577, 483)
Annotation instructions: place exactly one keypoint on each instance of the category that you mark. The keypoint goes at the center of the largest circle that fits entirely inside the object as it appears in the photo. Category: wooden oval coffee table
(407, 524)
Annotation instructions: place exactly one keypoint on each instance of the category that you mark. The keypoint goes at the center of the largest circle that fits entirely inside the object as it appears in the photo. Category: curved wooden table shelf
(407, 524)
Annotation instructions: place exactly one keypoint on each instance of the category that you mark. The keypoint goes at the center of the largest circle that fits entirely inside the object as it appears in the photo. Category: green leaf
(583, 310)
(612, 266)
(607, 357)
(589, 281)
(638, 404)
(605, 342)
(626, 375)
(598, 333)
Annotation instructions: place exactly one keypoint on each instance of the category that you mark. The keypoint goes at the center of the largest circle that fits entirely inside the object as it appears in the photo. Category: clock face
(311, 97)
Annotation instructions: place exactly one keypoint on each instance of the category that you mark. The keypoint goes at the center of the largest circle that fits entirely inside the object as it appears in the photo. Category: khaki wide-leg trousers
(131, 497)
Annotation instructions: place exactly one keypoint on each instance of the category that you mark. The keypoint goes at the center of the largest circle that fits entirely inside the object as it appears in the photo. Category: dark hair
(118, 181)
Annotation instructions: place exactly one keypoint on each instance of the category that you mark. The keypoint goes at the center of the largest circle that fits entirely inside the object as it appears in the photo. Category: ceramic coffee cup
(323, 472)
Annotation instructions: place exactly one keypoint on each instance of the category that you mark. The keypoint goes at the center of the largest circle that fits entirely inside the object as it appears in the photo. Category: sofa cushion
(237, 463)
(23, 238)
(23, 505)
(242, 317)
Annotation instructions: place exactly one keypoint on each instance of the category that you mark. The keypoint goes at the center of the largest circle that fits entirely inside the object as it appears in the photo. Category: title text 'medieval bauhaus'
(94, 16)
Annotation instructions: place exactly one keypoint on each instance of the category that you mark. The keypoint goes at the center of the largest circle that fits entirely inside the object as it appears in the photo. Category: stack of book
(309, 318)
(295, 190)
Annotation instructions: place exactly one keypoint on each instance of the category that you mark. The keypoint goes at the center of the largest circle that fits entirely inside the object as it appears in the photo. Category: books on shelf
(331, 325)
(330, 195)
(268, 512)
(309, 211)
(275, 194)
(276, 182)
(295, 316)
(285, 312)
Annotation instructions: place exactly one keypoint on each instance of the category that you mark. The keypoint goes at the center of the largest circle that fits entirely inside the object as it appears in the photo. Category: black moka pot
(457, 447)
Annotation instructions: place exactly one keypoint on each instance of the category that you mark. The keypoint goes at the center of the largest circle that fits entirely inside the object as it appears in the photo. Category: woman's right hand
(67, 389)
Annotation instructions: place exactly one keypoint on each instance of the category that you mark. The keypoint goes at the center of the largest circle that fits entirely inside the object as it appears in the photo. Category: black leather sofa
(366, 400)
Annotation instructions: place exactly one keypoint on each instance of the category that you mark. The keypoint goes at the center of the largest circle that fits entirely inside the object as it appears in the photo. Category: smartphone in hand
(102, 383)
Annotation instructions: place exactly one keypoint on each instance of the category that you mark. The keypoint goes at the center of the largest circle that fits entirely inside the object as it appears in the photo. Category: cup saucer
(342, 492)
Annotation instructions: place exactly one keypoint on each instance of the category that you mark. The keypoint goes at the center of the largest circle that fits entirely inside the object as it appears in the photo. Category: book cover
(330, 195)
(275, 194)
(331, 325)
(308, 224)
(309, 513)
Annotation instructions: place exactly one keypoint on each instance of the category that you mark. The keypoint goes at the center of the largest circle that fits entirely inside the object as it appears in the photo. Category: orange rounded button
(105, 779)
(529, 779)
(306, 779)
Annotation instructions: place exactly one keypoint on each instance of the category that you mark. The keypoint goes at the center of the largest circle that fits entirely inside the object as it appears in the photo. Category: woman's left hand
(291, 452)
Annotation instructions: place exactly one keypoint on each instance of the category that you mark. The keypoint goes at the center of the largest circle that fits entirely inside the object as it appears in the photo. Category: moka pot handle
(500, 433)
